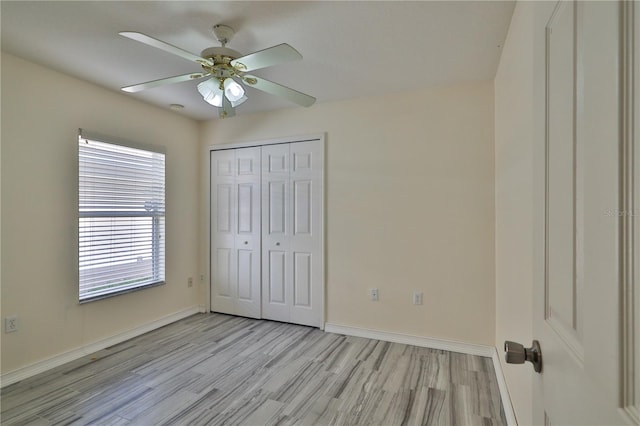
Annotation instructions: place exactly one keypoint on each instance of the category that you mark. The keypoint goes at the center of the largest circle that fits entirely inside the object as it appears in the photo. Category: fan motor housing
(221, 58)
(212, 52)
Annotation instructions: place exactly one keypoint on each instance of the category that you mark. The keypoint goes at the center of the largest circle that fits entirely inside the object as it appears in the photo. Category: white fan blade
(162, 82)
(265, 58)
(227, 110)
(150, 41)
(279, 90)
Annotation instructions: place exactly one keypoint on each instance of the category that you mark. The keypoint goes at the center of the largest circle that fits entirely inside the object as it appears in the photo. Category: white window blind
(121, 217)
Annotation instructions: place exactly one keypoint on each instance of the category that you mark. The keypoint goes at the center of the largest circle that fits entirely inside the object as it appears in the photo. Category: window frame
(158, 226)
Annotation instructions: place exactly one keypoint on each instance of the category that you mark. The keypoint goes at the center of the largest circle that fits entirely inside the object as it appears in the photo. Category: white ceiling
(351, 49)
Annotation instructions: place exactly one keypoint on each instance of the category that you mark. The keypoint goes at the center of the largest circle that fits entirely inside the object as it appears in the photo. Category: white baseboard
(408, 339)
(441, 344)
(57, 360)
(504, 391)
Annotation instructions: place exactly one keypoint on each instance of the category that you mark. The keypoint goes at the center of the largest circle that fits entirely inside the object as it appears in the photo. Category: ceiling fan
(228, 71)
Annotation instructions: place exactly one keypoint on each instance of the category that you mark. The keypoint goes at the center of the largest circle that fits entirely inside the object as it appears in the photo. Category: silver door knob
(277, 244)
(246, 242)
(515, 353)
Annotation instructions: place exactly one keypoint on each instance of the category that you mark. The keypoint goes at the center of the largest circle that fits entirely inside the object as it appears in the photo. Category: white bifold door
(292, 233)
(267, 232)
(235, 231)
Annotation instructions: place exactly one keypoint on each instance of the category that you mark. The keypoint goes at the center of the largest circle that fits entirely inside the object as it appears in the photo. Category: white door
(276, 219)
(577, 308)
(306, 232)
(235, 232)
(292, 218)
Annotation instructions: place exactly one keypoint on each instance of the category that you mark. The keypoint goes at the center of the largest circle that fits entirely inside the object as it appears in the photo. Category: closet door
(276, 256)
(306, 232)
(235, 232)
(292, 195)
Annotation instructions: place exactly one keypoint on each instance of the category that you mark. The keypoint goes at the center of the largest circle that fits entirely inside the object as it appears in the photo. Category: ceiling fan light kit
(233, 91)
(226, 67)
(213, 90)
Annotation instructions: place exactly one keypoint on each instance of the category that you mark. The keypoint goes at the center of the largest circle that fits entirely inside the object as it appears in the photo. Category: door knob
(515, 353)
(277, 244)
(246, 242)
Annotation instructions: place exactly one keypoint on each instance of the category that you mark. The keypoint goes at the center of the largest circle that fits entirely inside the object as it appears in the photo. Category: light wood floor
(219, 369)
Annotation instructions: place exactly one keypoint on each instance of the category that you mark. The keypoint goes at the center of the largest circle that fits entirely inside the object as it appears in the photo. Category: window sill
(119, 292)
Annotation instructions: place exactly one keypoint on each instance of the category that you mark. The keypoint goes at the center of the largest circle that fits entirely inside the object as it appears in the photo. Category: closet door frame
(293, 139)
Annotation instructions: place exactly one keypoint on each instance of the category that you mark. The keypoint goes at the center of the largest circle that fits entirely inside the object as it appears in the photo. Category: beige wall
(41, 112)
(409, 206)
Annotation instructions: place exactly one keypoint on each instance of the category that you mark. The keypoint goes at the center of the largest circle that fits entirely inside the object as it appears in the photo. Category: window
(121, 217)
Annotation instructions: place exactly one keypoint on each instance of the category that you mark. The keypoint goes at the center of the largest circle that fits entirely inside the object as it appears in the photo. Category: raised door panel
(224, 210)
(302, 206)
(276, 160)
(302, 282)
(246, 208)
(564, 194)
(276, 207)
(223, 164)
(223, 272)
(302, 160)
(245, 279)
(247, 166)
(276, 290)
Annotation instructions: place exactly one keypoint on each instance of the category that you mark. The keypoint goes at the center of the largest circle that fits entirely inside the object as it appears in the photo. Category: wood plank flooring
(213, 369)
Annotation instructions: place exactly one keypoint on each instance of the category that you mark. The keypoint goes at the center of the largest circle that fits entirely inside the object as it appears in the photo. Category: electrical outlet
(374, 294)
(417, 298)
(190, 282)
(11, 324)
